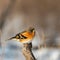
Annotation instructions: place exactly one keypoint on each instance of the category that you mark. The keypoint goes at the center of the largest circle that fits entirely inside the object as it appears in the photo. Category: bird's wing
(23, 37)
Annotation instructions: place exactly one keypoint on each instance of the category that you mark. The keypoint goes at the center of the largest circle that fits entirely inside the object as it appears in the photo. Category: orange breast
(28, 35)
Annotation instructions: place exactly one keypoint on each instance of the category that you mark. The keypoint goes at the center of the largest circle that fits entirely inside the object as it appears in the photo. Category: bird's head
(31, 29)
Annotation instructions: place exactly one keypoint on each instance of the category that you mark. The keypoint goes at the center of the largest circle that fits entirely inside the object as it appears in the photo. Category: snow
(40, 54)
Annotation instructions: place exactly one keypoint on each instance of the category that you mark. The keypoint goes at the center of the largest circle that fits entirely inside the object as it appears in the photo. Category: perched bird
(25, 36)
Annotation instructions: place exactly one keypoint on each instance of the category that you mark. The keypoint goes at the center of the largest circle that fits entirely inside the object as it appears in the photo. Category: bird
(24, 36)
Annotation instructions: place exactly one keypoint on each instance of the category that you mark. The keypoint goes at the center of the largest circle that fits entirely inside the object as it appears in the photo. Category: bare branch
(27, 51)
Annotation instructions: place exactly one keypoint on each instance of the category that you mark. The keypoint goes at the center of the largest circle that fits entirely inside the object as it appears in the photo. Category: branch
(27, 51)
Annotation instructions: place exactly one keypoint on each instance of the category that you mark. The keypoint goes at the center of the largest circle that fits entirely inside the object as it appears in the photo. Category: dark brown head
(31, 29)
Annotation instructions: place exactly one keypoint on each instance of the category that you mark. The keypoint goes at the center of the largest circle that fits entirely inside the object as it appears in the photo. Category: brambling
(25, 36)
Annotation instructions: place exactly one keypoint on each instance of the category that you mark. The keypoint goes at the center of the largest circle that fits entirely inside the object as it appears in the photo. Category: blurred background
(18, 15)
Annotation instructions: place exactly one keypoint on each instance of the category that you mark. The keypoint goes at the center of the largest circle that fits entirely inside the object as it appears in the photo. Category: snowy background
(18, 15)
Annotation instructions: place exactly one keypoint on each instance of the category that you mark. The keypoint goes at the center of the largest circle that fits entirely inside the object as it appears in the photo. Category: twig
(27, 51)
